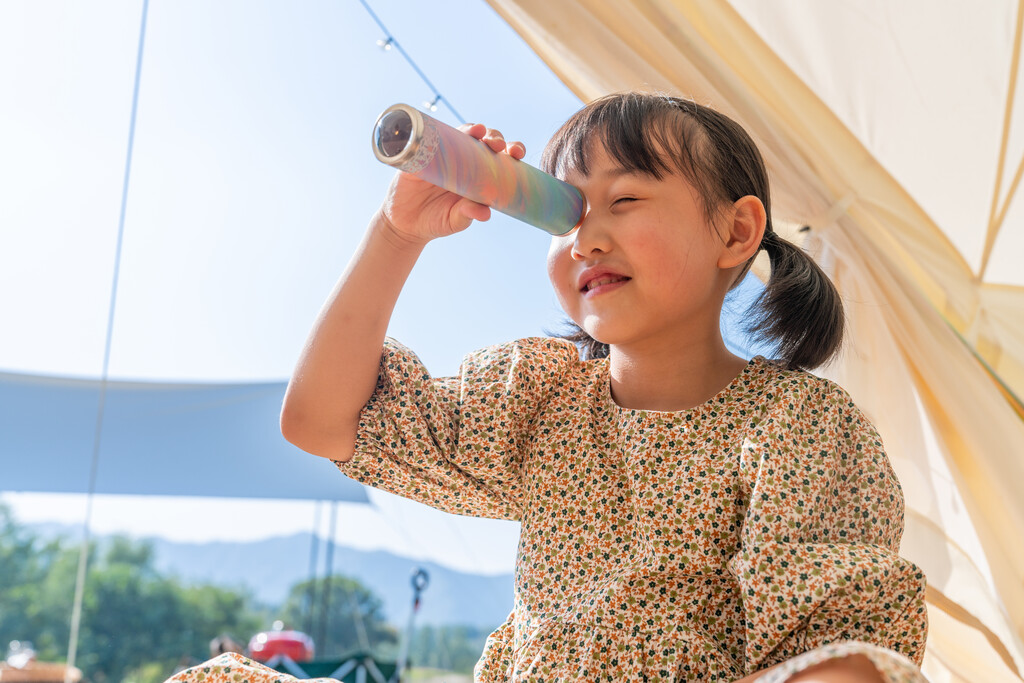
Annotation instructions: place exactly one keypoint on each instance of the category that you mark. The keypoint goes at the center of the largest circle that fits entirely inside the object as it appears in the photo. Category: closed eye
(624, 199)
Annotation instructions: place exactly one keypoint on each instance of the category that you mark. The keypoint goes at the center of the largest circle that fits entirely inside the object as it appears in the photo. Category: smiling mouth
(608, 280)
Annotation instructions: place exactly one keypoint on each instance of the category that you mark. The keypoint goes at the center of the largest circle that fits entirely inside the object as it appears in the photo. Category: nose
(590, 239)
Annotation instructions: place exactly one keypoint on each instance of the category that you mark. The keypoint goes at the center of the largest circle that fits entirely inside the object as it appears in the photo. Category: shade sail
(904, 155)
(157, 439)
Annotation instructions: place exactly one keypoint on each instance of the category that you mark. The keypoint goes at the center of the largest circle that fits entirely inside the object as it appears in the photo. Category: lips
(593, 279)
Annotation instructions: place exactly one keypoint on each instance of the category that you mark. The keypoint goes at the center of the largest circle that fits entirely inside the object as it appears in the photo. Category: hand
(417, 211)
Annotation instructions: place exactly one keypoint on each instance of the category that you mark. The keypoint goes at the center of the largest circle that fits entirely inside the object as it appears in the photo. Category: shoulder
(534, 353)
(813, 410)
(532, 361)
(796, 400)
(538, 358)
(801, 393)
(521, 376)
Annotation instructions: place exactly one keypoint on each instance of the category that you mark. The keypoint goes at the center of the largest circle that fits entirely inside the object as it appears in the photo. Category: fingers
(516, 150)
(494, 139)
(477, 130)
(465, 211)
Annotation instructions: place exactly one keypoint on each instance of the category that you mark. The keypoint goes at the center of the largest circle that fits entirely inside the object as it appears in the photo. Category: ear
(742, 234)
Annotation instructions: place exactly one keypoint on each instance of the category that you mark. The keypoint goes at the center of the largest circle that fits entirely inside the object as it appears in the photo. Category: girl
(686, 514)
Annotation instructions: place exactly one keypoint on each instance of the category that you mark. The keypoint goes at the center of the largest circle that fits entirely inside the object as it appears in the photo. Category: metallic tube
(413, 142)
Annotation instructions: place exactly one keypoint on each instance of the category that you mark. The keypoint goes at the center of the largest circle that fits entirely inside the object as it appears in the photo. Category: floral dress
(704, 544)
(708, 544)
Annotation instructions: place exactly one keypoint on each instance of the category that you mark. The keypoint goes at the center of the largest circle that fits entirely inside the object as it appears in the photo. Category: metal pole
(420, 579)
(325, 608)
(314, 546)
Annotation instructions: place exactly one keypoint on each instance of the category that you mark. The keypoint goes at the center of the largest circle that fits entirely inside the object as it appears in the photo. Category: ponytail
(799, 311)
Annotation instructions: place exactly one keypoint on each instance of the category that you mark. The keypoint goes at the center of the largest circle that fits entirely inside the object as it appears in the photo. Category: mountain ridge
(267, 568)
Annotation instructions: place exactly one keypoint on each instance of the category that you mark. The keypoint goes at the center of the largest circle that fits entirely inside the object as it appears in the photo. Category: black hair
(799, 311)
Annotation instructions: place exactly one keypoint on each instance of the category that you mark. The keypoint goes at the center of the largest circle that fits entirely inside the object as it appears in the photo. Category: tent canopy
(163, 439)
(904, 154)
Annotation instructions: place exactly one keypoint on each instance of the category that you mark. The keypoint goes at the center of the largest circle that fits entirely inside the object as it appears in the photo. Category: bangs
(642, 133)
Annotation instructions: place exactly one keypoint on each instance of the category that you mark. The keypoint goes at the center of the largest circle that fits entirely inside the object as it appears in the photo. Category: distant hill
(268, 568)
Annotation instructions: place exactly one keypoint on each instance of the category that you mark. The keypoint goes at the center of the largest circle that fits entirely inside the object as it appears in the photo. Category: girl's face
(642, 268)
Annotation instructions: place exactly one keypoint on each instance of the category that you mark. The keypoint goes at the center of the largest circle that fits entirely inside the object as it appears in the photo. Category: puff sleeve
(818, 556)
(457, 443)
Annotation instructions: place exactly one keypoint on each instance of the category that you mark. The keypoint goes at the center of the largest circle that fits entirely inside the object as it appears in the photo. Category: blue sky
(252, 180)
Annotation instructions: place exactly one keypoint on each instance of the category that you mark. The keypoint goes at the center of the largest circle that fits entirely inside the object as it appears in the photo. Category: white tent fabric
(895, 131)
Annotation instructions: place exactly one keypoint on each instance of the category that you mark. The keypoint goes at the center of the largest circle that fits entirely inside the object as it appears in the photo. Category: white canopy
(896, 132)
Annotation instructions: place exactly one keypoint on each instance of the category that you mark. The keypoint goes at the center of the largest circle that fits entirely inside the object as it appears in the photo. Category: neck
(674, 376)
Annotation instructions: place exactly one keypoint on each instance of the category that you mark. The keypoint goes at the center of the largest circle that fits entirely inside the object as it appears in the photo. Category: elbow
(312, 435)
(293, 424)
(296, 427)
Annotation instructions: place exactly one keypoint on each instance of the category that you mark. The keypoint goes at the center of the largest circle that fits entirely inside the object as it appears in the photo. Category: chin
(609, 329)
(623, 333)
(606, 334)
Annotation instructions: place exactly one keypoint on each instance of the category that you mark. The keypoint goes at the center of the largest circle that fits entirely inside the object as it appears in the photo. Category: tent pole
(357, 616)
(83, 561)
(995, 217)
(83, 555)
(314, 546)
(325, 608)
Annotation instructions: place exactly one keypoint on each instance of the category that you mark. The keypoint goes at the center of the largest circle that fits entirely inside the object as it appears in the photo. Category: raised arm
(337, 370)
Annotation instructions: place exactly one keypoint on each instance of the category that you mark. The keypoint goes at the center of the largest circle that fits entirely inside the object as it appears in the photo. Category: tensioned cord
(83, 556)
(76, 612)
(438, 97)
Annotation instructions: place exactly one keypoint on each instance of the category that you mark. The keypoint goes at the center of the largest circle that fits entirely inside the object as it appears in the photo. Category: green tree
(136, 624)
(132, 616)
(353, 621)
(25, 563)
(52, 600)
(449, 647)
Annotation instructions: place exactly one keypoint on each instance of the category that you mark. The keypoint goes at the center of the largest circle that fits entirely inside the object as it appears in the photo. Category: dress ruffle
(892, 666)
(785, 600)
(579, 651)
(574, 651)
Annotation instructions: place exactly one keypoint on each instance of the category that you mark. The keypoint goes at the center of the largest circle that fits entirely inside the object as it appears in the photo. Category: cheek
(688, 267)
(559, 265)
